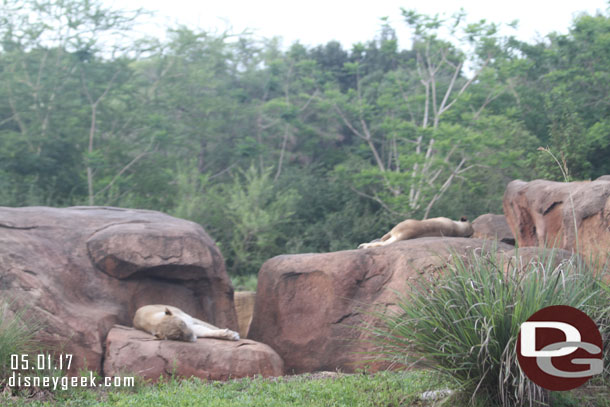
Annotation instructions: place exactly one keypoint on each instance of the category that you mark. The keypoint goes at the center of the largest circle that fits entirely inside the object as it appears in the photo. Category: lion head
(173, 327)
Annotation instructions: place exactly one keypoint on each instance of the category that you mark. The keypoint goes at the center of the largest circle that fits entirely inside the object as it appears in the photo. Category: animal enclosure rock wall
(560, 214)
(81, 270)
(307, 305)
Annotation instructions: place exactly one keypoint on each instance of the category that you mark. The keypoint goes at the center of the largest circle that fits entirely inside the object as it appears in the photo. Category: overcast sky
(315, 22)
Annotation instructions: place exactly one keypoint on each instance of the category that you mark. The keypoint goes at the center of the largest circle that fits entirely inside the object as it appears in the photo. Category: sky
(316, 22)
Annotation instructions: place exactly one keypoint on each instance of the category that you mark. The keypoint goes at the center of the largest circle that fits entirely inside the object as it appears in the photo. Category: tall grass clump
(17, 337)
(465, 323)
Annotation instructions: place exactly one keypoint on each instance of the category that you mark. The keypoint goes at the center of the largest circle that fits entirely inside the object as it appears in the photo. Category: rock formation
(81, 270)
(492, 227)
(307, 305)
(571, 216)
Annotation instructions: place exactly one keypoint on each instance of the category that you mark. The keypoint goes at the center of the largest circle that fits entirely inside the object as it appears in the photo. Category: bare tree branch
(466, 86)
(456, 72)
(490, 98)
(443, 188)
(218, 174)
(122, 171)
(93, 126)
(348, 123)
(378, 200)
(312, 97)
(282, 151)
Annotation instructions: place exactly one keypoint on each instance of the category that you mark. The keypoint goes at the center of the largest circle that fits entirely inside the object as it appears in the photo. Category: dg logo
(560, 348)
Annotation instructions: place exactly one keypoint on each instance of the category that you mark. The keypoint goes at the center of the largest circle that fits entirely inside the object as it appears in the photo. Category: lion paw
(232, 335)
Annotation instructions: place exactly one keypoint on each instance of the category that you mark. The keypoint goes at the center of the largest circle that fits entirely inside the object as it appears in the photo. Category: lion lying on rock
(412, 228)
(167, 322)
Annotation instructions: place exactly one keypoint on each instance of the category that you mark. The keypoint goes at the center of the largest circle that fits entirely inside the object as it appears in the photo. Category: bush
(465, 324)
(249, 218)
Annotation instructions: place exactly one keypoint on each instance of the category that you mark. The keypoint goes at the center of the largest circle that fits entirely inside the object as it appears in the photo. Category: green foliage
(250, 216)
(337, 144)
(17, 337)
(382, 389)
(465, 323)
(190, 186)
(563, 89)
(258, 214)
(329, 217)
(244, 282)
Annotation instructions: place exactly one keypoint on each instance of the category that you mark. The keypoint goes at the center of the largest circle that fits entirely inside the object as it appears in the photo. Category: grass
(17, 336)
(465, 324)
(382, 389)
(595, 393)
(387, 389)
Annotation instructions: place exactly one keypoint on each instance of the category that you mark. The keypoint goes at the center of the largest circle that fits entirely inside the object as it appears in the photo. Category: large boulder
(133, 352)
(563, 215)
(81, 270)
(492, 227)
(309, 306)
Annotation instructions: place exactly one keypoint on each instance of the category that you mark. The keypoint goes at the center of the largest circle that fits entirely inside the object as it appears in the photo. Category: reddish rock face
(133, 352)
(81, 270)
(308, 304)
(564, 215)
(492, 227)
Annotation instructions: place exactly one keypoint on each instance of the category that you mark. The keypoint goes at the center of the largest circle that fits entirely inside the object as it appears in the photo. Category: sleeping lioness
(167, 322)
(413, 228)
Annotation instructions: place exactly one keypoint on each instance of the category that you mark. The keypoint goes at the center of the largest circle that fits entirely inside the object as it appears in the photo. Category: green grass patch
(387, 389)
(17, 336)
(381, 389)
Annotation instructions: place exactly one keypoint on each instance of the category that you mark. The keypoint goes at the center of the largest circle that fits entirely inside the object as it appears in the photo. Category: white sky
(316, 22)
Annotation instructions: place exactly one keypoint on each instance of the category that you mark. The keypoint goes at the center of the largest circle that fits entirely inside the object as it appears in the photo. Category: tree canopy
(279, 150)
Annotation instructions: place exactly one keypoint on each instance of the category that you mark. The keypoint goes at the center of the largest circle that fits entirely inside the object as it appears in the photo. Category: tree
(60, 94)
(398, 116)
(562, 91)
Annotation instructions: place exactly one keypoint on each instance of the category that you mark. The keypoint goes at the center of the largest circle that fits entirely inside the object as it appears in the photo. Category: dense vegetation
(289, 150)
(465, 324)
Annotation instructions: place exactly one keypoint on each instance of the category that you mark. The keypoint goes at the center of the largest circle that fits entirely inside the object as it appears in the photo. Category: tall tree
(404, 116)
(563, 92)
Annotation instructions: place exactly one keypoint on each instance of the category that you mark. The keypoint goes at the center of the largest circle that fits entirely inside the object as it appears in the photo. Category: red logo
(560, 348)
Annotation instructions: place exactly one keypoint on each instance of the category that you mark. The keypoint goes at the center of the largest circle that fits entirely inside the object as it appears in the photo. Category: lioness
(412, 228)
(167, 322)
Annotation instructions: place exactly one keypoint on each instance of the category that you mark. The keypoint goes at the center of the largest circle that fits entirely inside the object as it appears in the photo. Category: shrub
(465, 324)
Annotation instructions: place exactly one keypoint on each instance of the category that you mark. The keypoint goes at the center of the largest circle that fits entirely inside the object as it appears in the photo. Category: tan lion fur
(167, 322)
(412, 228)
